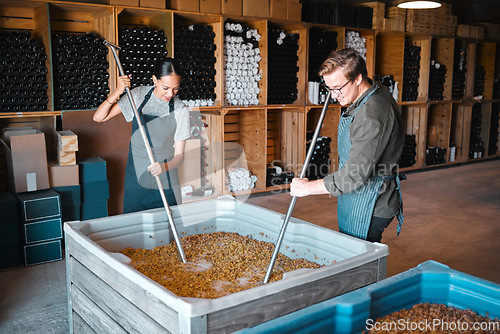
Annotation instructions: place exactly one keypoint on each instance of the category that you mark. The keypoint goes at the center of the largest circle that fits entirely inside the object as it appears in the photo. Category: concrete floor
(451, 216)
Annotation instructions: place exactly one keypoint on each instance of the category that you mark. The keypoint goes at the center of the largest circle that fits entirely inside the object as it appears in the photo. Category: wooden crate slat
(112, 305)
(443, 52)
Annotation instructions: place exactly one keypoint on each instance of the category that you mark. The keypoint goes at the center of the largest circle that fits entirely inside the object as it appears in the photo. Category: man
(370, 142)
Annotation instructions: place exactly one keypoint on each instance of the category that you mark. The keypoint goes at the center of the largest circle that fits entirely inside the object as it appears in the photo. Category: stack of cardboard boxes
(44, 194)
(41, 226)
(37, 209)
(94, 188)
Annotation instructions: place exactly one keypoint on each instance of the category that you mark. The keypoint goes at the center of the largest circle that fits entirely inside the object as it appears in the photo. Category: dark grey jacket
(377, 138)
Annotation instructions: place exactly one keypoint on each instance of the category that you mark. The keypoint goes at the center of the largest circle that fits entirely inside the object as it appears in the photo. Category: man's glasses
(337, 91)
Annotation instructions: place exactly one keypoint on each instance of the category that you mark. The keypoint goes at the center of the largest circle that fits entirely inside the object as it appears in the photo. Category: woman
(166, 122)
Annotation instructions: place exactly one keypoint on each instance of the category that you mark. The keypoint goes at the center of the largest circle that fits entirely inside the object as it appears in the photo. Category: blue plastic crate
(352, 312)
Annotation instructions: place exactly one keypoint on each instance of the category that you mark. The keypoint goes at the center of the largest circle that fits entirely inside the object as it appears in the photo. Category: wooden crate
(439, 125)
(186, 19)
(300, 29)
(80, 19)
(471, 69)
(329, 129)
(292, 139)
(414, 120)
(152, 18)
(485, 126)
(486, 54)
(442, 51)
(424, 41)
(390, 56)
(34, 17)
(378, 13)
(460, 130)
(213, 139)
(261, 26)
(311, 51)
(369, 35)
(106, 295)
(245, 142)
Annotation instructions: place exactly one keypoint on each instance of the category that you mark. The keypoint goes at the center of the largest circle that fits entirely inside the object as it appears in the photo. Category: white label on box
(31, 181)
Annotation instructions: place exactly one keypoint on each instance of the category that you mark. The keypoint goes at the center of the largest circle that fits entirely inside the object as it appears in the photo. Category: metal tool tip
(107, 43)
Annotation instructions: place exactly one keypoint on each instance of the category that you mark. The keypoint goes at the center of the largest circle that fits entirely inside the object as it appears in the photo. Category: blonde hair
(348, 60)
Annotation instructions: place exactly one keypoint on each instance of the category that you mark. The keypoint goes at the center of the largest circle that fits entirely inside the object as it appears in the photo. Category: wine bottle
(202, 191)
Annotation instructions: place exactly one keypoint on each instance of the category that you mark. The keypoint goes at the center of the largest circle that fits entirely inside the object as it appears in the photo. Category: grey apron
(355, 208)
(141, 190)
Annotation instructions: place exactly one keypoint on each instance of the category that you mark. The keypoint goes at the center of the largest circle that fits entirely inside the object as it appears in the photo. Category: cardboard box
(42, 231)
(62, 176)
(42, 253)
(153, 3)
(71, 213)
(66, 158)
(92, 169)
(210, 6)
(130, 3)
(232, 7)
(67, 141)
(8, 207)
(9, 256)
(92, 210)
(70, 195)
(294, 11)
(256, 8)
(26, 160)
(39, 205)
(9, 234)
(278, 9)
(94, 191)
(187, 5)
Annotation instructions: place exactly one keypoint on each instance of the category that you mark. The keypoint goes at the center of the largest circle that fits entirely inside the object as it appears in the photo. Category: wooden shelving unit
(253, 136)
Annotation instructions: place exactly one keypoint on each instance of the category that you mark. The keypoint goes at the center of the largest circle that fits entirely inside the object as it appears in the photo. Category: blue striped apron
(355, 208)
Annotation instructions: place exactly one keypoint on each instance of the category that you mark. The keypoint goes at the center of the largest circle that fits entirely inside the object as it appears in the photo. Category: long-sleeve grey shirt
(377, 138)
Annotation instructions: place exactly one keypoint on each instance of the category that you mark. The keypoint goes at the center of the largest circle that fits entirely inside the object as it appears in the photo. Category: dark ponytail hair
(167, 66)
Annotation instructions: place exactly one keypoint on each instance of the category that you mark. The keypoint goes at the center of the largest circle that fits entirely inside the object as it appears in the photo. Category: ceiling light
(417, 4)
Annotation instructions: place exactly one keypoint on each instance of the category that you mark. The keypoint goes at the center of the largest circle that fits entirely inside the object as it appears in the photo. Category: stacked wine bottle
(80, 71)
(275, 175)
(242, 54)
(435, 156)
(283, 69)
(459, 70)
(141, 47)
(411, 71)
(194, 47)
(321, 43)
(319, 166)
(23, 75)
(386, 80)
(355, 41)
(409, 154)
(437, 77)
(494, 124)
(479, 81)
(476, 145)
